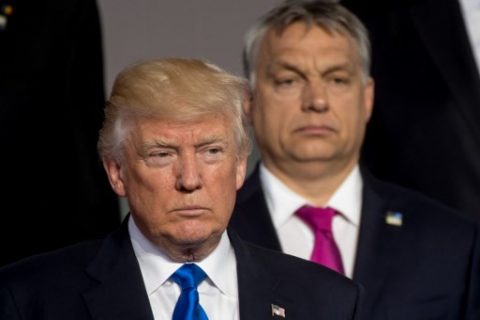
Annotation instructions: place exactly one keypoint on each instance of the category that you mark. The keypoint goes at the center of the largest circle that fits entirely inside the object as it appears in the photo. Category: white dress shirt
(218, 293)
(471, 17)
(296, 237)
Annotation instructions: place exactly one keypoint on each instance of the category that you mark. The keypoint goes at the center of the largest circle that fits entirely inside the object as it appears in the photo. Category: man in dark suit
(51, 108)
(175, 144)
(425, 131)
(308, 65)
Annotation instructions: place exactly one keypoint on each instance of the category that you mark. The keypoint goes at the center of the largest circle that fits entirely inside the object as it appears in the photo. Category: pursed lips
(190, 211)
(315, 129)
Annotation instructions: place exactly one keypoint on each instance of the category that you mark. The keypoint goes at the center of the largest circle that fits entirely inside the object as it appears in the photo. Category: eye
(160, 154)
(286, 82)
(159, 158)
(214, 150)
(339, 81)
(212, 154)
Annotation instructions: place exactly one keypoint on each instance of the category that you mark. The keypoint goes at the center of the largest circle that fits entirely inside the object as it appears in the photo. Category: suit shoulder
(299, 270)
(327, 294)
(418, 205)
(51, 265)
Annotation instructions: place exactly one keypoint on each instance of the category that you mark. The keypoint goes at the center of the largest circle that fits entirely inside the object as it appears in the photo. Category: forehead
(206, 127)
(298, 39)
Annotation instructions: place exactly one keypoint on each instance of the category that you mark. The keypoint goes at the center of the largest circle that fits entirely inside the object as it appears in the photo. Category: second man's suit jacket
(427, 268)
(425, 128)
(103, 281)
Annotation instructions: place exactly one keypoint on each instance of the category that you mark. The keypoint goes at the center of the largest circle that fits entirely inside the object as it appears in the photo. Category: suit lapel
(379, 242)
(252, 220)
(440, 25)
(258, 288)
(120, 293)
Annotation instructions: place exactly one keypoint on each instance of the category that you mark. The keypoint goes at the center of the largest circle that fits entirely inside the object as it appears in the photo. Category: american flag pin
(278, 311)
(394, 218)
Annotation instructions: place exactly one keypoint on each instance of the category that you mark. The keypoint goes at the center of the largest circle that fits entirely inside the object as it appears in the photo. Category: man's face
(310, 101)
(180, 180)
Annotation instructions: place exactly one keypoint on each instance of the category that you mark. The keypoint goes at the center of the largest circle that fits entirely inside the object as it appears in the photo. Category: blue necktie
(188, 277)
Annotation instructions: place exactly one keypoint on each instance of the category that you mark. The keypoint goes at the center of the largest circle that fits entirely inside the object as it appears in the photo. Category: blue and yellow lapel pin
(394, 218)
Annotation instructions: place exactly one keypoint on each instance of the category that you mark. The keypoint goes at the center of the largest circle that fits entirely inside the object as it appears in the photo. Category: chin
(192, 234)
(194, 231)
(312, 150)
(191, 239)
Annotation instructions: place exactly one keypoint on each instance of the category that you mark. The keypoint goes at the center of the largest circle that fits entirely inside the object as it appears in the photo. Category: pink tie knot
(325, 250)
(319, 219)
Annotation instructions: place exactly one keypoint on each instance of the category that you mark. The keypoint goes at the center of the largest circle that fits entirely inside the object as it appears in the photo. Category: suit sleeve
(357, 315)
(473, 304)
(8, 309)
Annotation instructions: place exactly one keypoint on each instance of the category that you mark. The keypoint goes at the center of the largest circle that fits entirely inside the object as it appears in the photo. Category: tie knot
(319, 219)
(188, 276)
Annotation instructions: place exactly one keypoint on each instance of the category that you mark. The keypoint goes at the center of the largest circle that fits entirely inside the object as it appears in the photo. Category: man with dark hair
(308, 65)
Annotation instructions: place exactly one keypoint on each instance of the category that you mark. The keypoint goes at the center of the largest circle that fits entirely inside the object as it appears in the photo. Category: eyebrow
(343, 66)
(340, 67)
(212, 140)
(159, 143)
(284, 65)
(156, 143)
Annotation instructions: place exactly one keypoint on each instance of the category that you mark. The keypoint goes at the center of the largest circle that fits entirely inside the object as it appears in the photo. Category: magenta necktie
(325, 250)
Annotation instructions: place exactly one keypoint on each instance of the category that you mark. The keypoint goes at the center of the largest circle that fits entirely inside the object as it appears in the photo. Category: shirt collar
(283, 202)
(347, 199)
(156, 267)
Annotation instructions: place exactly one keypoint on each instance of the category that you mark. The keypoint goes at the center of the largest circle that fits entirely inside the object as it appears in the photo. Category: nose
(188, 174)
(315, 98)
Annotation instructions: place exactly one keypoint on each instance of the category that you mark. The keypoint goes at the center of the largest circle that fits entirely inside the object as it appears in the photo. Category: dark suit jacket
(51, 108)
(425, 128)
(426, 269)
(102, 280)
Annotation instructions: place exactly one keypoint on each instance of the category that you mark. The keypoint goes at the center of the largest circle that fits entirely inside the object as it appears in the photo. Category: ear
(241, 170)
(248, 105)
(369, 93)
(114, 173)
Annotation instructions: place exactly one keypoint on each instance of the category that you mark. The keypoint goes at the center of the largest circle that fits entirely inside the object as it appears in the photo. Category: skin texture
(310, 107)
(181, 181)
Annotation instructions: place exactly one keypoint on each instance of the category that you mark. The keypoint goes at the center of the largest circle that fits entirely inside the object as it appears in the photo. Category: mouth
(190, 211)
(315, 130)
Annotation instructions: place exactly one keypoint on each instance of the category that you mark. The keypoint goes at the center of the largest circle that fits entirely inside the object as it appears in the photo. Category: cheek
(149, 201)
(355, 124)
(149, 187)
(222, 182)
(271, 117)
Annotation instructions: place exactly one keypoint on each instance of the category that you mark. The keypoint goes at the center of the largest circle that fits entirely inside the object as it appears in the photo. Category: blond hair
(173, 89)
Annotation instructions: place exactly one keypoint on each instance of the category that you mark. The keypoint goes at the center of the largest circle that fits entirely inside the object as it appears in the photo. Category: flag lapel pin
(278, 312)
(394, 218)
